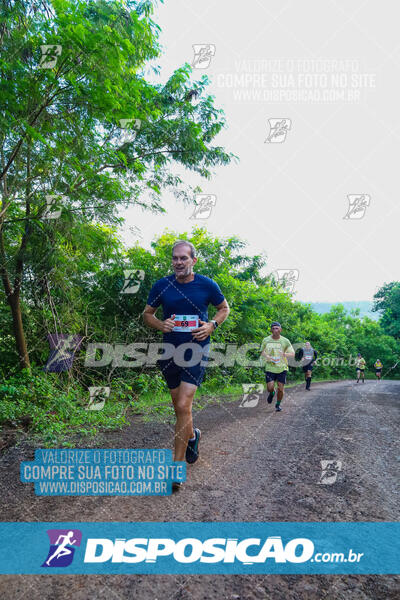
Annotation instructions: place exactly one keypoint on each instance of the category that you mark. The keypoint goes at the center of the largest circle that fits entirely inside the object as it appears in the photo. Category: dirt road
(255, 465)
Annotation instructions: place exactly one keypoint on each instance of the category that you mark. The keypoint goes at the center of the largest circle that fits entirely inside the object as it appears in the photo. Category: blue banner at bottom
(199, 548)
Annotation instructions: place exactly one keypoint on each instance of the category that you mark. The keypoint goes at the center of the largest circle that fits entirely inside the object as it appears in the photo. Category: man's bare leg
(280, 395)
(182, 398)
(308, 379)
(270, 389)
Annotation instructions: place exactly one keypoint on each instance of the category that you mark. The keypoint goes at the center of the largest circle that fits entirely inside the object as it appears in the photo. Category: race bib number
(275, 359)
(273, 350)
(308, 356)
(186, 322)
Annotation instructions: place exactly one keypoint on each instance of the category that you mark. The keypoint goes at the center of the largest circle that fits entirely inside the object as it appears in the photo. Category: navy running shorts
(281, 377)
(308, 368)
(174, 373)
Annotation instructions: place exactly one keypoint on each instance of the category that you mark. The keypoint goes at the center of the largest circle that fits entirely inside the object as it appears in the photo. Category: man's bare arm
(222, 312)
(207, 328)
(151, 320)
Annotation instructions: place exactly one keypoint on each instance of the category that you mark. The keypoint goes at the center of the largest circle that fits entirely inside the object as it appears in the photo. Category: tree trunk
(19, 334)
(13, 292)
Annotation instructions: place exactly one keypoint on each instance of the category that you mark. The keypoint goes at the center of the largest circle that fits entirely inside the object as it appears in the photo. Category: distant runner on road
(184, 297)
(360, 367)
(308, 356)
(276, 349)
(378, 369)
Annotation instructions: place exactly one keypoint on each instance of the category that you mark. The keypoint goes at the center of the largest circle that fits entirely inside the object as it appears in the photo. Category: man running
(378, 368)
(360, 367)
(184, 297)
(276, 349)
(308, 356)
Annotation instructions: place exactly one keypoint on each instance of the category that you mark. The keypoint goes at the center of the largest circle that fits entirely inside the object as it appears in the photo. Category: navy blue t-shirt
(190, 298)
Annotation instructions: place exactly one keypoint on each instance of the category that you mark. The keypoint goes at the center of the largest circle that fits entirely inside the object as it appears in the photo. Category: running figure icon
(62, 549)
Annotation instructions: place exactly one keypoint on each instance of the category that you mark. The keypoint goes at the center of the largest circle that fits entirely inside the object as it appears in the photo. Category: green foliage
(84, 125)
(60, 135)
(387, 299)
(40, 403)
(85, 294)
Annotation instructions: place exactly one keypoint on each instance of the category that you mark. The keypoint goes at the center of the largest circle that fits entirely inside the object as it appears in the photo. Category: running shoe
(270, 396)
(176, 486)
(277, 407)
(192, 450)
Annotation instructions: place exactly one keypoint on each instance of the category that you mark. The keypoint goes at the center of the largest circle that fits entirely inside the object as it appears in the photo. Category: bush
(47, 406)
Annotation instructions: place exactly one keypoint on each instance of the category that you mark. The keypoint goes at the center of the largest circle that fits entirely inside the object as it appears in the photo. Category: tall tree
(83, 132)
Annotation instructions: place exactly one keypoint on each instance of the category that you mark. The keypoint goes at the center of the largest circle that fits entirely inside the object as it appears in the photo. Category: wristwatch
(215, 324)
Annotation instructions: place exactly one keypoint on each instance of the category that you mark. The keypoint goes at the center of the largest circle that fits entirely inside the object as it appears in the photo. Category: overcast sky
(328, 72)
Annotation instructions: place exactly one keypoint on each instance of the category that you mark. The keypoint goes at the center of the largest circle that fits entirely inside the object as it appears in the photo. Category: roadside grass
(48, 410)
(158, 406)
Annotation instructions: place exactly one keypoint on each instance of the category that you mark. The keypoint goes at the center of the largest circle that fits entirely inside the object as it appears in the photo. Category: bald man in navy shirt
(185, 297)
